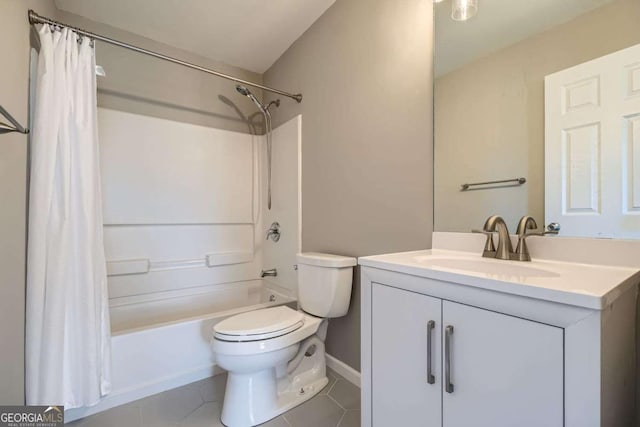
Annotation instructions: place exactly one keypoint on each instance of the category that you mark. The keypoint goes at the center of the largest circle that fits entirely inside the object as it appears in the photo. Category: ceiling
(498, 24)
(251, 34)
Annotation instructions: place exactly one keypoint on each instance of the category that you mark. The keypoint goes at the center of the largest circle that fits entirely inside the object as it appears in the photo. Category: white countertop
(584, 285)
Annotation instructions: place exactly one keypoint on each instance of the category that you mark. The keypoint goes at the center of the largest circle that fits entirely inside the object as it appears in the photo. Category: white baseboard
(343, 369)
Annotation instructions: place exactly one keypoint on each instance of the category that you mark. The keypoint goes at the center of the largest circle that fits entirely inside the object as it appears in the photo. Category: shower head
(242, 90)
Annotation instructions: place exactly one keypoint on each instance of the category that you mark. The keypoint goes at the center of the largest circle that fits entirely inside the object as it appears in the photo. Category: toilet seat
(259, 325)
(226, 347)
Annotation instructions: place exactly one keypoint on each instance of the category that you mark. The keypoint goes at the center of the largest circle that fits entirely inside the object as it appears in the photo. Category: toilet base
(284, 403)
(257, 397)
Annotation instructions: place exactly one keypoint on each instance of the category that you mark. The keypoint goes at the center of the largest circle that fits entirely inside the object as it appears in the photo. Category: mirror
(493, 122)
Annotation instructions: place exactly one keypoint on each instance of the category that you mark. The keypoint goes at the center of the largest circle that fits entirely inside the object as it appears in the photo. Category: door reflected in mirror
(493, 121)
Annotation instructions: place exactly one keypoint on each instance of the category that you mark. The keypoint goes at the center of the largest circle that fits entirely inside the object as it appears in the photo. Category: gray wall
(365, 69)
(14, 95)
(141, 84)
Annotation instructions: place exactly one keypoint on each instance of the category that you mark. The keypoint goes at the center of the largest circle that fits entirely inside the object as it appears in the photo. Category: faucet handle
(522, 252)
(539, 233)
(273, 232)
(489, 248)
(526, 223)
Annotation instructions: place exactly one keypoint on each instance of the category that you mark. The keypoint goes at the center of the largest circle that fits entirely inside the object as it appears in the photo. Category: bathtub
(162, 341)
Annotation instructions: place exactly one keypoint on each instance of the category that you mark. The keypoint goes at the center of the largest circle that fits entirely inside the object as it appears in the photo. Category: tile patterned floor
(199, 405)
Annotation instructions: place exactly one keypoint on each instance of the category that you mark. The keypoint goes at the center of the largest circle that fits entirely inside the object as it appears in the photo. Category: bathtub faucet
(273, 232)
(271, 272)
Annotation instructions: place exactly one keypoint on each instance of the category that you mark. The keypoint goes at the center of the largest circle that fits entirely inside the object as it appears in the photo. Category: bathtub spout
(271, 272)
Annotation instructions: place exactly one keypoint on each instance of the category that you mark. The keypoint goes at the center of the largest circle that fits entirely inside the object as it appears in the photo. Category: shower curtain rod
(34, 18)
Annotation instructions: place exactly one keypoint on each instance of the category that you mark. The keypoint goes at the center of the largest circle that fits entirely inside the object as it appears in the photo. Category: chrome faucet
(496, 223)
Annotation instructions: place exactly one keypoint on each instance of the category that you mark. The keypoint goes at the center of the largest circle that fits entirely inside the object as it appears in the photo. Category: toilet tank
(324, 283)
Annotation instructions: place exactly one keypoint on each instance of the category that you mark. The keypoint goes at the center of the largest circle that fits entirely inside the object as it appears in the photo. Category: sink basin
(482, 266)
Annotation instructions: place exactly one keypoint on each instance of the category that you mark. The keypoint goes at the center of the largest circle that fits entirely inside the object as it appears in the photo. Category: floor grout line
(332, 386)
(189, 414)
(336, 402)
(344, 414)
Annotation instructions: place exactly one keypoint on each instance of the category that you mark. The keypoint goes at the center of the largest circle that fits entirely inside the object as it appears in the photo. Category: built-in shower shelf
(227, 258)
(143, 266)
(129, 266)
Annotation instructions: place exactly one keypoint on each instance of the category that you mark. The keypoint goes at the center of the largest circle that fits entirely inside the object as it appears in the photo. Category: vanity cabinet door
(402, 392)
(504, 371)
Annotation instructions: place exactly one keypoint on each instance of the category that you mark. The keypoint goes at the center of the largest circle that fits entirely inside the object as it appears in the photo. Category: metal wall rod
(517, 181)
(34, 18)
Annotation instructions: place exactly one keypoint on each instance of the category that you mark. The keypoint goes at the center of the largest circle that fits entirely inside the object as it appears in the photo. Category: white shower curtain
(67, 334)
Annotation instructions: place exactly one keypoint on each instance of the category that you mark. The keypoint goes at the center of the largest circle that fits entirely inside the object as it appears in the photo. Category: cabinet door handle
(448, 332)
(430, 327)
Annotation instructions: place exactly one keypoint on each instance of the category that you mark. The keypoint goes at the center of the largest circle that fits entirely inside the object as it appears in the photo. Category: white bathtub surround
(182, 221)
(166, 343)
(67, 317)
(181, 204)
(286, 207)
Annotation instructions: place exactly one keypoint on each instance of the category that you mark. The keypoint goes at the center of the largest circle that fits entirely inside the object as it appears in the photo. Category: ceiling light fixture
(461, 10)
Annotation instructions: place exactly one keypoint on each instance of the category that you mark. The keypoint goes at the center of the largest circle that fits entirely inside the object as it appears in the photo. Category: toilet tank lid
(326, 260)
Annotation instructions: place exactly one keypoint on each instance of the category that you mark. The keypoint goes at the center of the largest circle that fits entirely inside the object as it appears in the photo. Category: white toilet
(275, 356)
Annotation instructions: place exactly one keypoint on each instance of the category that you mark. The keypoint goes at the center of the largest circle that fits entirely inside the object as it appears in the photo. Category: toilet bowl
(275, 357)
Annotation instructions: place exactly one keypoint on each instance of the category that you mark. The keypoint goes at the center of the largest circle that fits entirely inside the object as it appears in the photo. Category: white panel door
(402, 394)
(592, 147)
(505, 371)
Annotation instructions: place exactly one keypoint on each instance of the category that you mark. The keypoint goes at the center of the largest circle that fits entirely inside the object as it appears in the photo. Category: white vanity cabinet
(502, 370)
(496, 344)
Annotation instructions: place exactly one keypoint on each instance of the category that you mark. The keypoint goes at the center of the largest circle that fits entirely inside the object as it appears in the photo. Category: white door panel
(592, 147)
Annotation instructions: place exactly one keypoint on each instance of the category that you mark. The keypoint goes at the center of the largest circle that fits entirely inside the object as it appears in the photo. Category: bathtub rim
(281, 294)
